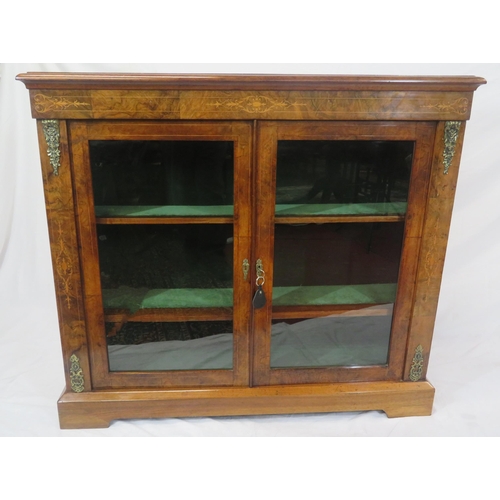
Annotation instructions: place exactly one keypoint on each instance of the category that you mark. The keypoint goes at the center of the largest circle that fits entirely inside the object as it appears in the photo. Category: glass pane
(342, 275)
(195, 345)
(343, 177)
(154, 177)
(341, 340)
(341, 270)
(312, 255)
(159, 269)
(167, 287)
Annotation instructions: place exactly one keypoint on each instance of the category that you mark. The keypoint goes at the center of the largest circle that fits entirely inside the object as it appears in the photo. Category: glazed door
(164, 229)
(339, 219)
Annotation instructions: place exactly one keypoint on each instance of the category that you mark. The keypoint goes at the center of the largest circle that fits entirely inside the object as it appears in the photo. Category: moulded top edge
(247, 81)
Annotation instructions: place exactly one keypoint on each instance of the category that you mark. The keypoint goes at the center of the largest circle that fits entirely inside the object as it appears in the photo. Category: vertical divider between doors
(252, 252)
(264, 184)
(242, 231)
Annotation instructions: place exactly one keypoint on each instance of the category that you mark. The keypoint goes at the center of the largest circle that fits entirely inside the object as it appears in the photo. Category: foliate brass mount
(417, 364)
(52, 138)
(451, 131)
(76, 374)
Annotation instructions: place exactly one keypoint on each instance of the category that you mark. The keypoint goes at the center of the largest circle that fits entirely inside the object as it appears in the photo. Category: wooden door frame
(268, 135)
(81, 132)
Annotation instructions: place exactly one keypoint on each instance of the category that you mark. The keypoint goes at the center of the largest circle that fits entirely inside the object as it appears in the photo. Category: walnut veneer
(254, 112)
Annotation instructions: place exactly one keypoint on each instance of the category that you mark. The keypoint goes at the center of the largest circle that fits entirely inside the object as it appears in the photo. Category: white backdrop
(465, 361)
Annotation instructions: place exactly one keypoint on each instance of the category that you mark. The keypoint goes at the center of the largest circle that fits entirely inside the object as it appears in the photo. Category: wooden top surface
(139, 81)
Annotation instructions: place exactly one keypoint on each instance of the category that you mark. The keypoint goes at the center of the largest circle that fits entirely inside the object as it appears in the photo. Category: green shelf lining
(330, 209)
(371, 209)
(134, 299)
(163, 211)
(379, 293)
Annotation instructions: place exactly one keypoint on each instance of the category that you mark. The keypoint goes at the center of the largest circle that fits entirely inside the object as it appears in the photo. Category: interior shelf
(135, 299)
(163, 214)
(289, 213)
(341, 212)
(379, 293)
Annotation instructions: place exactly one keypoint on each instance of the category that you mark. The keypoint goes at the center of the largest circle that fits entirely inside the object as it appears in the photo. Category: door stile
(418, 192)
(86, 227)
(242, 251)
(252, 251)
(265, 181)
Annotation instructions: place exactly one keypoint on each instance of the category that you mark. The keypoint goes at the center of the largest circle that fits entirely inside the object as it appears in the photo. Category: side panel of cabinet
(58, 185)
(445, 167)
(325, 221)
(84, 136)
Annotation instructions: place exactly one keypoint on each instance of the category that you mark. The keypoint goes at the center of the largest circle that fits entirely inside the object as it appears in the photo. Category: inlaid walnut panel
(61, 104)
(65, 259)
(105, 104)
(433, 247)
(249, 105)
(348, 105)
(133, 104)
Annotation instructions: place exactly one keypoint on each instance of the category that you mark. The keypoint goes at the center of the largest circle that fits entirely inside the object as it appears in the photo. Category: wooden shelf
(169, 315)
(345, 212)
(164, 214)
(226, 313)
(380, 293)
(134, 299)
(305, 301)
(223, 214)
(304, 312)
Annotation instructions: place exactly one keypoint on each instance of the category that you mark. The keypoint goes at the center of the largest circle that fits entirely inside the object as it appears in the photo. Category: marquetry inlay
(64, 267)
(44, 103)
(253, 103)
(460, 106)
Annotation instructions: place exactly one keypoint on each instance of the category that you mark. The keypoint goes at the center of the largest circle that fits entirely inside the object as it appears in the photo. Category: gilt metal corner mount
(76, 374)
(451, 131)
(52, 138)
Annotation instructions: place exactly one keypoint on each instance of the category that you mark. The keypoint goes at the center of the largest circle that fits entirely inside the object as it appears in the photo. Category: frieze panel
(338, 105)
(289, 105)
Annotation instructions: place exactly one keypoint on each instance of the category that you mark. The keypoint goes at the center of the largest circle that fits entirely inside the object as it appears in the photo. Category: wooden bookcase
(247, 244)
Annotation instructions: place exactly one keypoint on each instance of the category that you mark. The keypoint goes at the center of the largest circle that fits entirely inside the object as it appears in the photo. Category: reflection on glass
(166, 256)
(310, 255)
(370, 176)
(167, 288)
(156, 174)
(352, 266)
(196, 345)
(342, 340)
(160, 268)
(342, 274)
